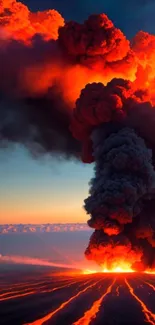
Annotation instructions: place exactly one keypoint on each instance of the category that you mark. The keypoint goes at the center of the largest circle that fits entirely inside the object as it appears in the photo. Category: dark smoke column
(108, 122)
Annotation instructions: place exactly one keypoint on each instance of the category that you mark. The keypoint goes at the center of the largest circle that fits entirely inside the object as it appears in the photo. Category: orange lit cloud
(20, 24)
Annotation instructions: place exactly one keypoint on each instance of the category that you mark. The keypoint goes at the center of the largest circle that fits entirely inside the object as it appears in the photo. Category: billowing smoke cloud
(64, 85)
(44, 64)
(19, 23)
(117, 124)
(124, 181)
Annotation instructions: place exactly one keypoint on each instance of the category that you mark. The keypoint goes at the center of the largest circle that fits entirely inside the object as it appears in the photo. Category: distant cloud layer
(30, 228)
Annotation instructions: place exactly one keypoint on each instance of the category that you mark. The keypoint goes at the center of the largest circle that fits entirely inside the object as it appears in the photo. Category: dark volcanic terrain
(35, 295)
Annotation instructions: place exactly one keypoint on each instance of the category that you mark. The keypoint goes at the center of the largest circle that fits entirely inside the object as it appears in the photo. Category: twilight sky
(45, 190)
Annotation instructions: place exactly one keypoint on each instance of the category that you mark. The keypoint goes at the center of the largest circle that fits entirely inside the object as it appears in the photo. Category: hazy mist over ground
(64, 245)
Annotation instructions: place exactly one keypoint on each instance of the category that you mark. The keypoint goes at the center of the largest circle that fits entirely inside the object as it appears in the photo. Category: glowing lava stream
(150, 317)
(20, 285)
(117, 291)
(66, 285)
(21, 290)
(18, 295)
(13, 293)
(35, 291)
(64, 304)
(150, 285)
(29, 288)
(92, 312)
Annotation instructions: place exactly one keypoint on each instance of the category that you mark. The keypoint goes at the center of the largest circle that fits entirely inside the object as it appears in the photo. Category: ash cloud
(119, 122)
(45, 62)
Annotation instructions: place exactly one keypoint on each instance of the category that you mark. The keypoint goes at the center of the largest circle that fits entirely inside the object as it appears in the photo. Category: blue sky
(131, 16)
(46, 190)
(41, 191)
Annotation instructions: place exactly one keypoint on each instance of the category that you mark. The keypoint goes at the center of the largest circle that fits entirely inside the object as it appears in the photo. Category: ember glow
(63, 305)
(150, 317)
(118, 269)
(85, 91)
(89, 271)
(80, 299)
(92, 312)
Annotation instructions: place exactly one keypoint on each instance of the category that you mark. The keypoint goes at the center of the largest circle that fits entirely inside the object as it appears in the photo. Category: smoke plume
(85, 91)
(117, 124)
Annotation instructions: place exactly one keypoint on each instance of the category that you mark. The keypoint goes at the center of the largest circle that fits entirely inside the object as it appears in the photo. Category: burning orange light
(119, 267)
(150, 271)
(89, 271)
(64, 304)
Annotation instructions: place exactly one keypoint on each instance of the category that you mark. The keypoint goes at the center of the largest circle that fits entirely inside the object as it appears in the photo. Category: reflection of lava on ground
(34, 297)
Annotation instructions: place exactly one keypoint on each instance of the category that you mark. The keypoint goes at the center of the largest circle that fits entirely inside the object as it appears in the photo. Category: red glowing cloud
(20, 24)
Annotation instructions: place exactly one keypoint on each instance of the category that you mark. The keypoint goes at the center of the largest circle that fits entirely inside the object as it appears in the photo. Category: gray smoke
(124, 180)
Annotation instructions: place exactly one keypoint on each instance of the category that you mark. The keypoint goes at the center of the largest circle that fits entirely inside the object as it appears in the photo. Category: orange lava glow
(91, 298)
(63, 305)
(150, 317)
(117, 291)
(92, 312)
(150, 285)
(120, 267)
(89, 271)
(18, 295)
(29, 291)
(150, 271)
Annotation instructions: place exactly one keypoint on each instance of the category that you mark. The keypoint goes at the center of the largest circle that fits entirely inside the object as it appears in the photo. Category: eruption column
(123, 177)
(110, 121)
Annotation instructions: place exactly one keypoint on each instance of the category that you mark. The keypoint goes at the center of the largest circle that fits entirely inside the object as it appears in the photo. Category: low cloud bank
(41, 228)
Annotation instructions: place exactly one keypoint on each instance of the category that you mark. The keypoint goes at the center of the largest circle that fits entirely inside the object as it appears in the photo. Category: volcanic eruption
(85, 91)
(111, 118)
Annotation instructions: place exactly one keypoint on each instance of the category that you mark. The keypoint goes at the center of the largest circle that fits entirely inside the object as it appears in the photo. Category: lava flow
(63, 305)
(80, 299)
(150, 317)
(91, 313)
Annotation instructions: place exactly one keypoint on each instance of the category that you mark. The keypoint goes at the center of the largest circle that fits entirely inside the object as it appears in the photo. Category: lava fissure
(150, 317)
(93, 311)
(63, 305)
(117, 290)
(8, 296)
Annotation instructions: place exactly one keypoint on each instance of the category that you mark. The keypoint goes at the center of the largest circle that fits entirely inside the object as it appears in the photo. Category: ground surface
(40, 297)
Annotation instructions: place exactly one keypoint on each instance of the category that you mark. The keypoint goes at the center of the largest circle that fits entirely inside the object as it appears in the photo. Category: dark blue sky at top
(130, 16)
